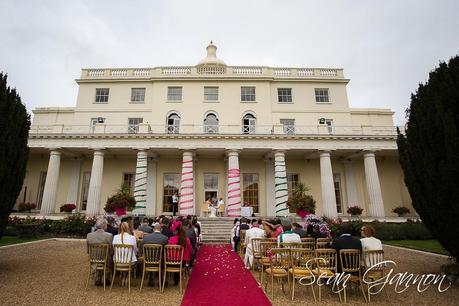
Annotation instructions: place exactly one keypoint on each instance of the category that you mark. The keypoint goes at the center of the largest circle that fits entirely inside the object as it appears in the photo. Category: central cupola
(211, 64)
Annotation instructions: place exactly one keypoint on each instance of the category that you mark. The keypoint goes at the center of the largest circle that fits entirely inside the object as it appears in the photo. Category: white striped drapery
(140, 184)
(186, 202)
(281, 189)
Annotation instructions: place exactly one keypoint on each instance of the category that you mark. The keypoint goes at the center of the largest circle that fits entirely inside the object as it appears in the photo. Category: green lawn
(6, 240)
(423, 245)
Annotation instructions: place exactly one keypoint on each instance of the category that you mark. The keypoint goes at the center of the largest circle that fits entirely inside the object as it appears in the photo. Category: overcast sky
(385, 47)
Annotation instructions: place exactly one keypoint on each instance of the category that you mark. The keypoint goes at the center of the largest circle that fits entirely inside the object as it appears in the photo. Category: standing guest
(237, 236)
(288, 236)
(165, 227)
(221, 205)
(180, 238)
(124, 237)
(296, 228)
(254, 232)
(100, 236)
(145, 227)
(175, 200)
(345, 241)
(233, 232)
(197, 230)
(156, 237)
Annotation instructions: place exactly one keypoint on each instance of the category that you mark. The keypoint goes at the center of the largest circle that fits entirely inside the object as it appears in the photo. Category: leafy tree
(14, 132)
(429, 153)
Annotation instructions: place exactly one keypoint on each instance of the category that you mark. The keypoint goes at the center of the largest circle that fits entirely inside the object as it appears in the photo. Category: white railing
(277, 129)
(214, 70)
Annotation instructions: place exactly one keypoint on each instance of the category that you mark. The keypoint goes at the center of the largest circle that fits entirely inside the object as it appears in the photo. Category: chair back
(98, 253)
(140, 246)
(152, 254)
(123, 253)
(265, 246)
(290, 245)
(242, 235)
(350, 260)
(256, 247)
(373, 259)
(322, 243)
(309, 242)
(173, 254)
(326, 259)
(204, 207)
(280, 258)
(302, 258)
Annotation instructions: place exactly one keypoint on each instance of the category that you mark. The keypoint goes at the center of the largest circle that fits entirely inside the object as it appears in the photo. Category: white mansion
(247, 134)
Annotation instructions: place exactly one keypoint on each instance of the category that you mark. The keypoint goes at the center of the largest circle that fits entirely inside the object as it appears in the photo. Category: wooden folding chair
(350, 264)
(375, 261)
(326, 262)
(323, 243)
(173, 262)
(122, 260)
(256, 251)
(98, 260)
(279, 260)
(303, 261)
(310, 243)
(152, 261)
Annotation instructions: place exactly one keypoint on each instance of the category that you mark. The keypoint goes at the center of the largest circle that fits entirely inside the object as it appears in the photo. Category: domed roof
(211, 58)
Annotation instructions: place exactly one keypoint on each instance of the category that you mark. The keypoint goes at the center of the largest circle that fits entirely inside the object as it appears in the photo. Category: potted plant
(120, 202)
(26, 207)
(401, 211)
(355, 210)
(68, 208)
(301, 202)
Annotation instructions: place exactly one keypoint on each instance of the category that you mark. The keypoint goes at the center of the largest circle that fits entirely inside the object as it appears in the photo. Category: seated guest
(254, 232)
(156, 237)
(124, 237)
(180, 238)
(138, 234)
(288, 236)
(191, 234)
(145, 227)
(100, 236)
(273, 228)
(298, 229)
(112, 227)
(345, 241)
(369, 243)
(165, 227)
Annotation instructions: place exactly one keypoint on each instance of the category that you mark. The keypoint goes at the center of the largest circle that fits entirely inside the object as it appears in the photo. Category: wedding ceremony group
(204, 153)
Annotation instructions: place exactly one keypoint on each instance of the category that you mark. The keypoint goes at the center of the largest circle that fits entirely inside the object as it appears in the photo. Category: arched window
(173, 123)
(211, 124)
(248, 124)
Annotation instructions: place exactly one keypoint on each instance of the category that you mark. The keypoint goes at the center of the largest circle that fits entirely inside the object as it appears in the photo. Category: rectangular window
(138, 95)
(133, 125)
(247, 94)
(284, 95)
(128, 181)
(41, 188)
(174, 93)
(337, 183)
(322, 95)
(288, 125)
(171, 185)
(210, 181)
(102, 95)
(210, 93)
(250, 184)
(85, 190)
(292, 182)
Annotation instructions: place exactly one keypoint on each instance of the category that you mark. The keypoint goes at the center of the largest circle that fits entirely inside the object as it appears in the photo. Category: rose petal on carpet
(219, 278)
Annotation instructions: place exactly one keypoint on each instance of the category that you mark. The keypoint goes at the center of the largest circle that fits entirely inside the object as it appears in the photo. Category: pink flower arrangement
(120, 211)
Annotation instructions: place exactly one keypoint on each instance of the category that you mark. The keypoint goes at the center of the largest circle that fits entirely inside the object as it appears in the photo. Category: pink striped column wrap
(186, 202)
(234, 185)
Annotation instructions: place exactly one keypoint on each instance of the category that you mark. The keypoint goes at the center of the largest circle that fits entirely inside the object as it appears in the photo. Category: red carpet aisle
(219, 278)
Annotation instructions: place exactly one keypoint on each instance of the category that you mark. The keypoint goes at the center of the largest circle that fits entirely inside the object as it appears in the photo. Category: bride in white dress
(212, 208)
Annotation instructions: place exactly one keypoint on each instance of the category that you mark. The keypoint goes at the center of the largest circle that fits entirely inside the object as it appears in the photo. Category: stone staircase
(216, 229)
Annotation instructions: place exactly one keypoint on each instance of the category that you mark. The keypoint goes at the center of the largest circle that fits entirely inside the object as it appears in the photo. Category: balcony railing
(192, 129)
(214, 71)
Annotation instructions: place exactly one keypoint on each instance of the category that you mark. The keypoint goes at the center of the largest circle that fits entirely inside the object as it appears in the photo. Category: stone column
(327, 185)
(150, 210)
(376, 206)
(186, 202)
(281, 189)
(351, 187)
(140, 183)
(74, 182)
(270, 187)
(48, 203)
(95, 184)
(234, 185)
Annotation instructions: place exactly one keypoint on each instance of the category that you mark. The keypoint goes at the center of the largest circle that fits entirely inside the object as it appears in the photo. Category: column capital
(232, 152)
(324, 153)
(54, 149)
(99, 153)
(97, 149)
(140, 149)
(368, 153)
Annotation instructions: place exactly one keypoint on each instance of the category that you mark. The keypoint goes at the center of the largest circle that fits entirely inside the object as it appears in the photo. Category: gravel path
(407, 261)
(54, 273)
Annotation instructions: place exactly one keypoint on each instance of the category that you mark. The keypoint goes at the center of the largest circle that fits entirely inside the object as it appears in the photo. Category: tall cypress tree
(429, 154)
(14, 132)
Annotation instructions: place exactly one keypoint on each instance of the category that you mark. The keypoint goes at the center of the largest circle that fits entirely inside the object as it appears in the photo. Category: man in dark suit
(144, 227)
(165, 228)
(237, 236)
(297, 229)
(156, 237)
(345, 241)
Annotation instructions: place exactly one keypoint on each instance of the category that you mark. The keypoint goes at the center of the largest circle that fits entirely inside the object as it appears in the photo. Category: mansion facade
(247, 134)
